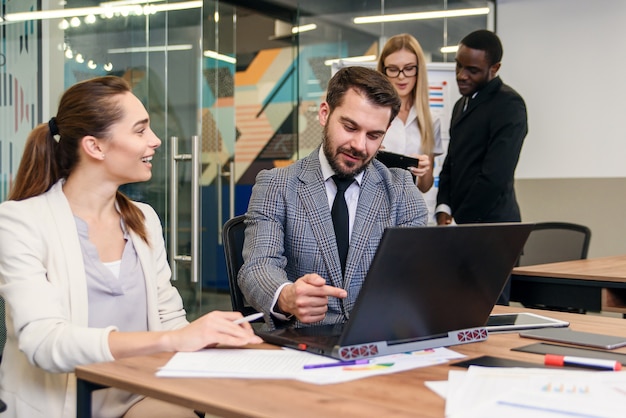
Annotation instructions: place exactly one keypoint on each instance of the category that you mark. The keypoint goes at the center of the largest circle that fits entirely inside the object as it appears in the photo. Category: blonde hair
(420, 90)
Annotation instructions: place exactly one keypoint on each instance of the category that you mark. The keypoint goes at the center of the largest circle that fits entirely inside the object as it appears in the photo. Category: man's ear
(323, 113)
(493, 70)
(92, 147)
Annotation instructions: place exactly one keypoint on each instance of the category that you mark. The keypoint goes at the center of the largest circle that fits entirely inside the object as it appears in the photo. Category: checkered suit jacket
(289, 230)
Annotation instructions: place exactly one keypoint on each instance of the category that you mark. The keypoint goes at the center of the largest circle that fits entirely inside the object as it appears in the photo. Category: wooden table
(396, 395)
(596, 284)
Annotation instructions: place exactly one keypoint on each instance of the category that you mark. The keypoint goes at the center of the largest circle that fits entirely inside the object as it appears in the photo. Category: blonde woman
(413, 132)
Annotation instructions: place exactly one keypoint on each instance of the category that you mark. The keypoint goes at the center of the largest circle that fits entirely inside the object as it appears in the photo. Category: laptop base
(381, 348)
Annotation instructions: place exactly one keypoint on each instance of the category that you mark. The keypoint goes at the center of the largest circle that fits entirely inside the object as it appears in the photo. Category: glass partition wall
(232, 87)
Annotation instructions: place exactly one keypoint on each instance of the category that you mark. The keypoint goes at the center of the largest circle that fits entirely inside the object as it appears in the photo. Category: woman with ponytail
(83, 269)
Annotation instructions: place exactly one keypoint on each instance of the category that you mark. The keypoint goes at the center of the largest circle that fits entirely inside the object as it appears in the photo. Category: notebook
(427, 287)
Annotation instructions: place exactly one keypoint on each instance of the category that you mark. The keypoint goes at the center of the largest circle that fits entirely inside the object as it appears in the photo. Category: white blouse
(405, 138)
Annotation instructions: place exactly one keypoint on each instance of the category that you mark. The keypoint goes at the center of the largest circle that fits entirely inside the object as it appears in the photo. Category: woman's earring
(102, 157)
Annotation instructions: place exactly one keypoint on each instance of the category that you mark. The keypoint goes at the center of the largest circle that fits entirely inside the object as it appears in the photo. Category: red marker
(590, 363)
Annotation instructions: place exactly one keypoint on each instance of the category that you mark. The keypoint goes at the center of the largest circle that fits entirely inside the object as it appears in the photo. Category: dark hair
(89, 107)
(487, 41)
(375, 86)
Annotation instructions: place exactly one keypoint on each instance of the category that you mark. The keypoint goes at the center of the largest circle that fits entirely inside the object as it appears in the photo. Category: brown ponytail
(90, 107)
(38, 169)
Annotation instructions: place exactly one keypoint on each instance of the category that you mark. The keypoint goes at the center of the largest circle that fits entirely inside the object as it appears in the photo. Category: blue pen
(338, 364)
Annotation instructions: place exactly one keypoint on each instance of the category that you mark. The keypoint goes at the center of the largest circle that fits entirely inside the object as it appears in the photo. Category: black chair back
(233, 238)
(552, 242)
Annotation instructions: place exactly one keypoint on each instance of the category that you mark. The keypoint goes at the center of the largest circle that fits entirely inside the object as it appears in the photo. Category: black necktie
(341, 221)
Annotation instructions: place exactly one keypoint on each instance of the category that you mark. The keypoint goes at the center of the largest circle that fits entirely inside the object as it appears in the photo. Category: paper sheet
(487, 392)
(289, 364)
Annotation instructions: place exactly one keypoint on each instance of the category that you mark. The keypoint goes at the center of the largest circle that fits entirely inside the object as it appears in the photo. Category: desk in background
(398, 395)
(596, 284)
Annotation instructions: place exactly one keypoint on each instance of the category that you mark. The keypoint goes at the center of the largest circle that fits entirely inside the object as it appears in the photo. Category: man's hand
(443, 218)
(307, 298)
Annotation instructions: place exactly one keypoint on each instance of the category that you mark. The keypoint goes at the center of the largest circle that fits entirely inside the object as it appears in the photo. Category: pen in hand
(248, 318)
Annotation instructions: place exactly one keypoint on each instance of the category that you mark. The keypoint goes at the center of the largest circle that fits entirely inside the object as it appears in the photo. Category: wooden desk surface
(398, 395)
(609, 269)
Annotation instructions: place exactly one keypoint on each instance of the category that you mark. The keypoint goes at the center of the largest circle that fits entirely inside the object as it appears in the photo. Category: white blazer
(42, 279)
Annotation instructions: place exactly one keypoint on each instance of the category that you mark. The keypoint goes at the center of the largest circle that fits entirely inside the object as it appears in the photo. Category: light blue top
(118, 301)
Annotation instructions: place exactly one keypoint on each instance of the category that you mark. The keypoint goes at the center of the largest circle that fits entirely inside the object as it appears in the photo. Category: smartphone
(391, 159)
(566, 335)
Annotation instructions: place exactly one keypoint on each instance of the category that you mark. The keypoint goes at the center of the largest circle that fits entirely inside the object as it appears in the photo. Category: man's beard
(342, 170)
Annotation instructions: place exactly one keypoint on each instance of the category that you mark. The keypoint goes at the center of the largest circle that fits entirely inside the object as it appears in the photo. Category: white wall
(566, 58)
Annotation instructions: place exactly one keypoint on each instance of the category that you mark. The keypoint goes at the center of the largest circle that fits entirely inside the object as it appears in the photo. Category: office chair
(551, 242)
(233, 237)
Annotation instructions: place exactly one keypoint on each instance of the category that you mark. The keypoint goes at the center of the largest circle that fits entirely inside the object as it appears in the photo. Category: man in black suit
(487, 130)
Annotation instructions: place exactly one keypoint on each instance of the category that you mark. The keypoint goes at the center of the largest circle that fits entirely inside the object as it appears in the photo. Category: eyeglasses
(394, 72)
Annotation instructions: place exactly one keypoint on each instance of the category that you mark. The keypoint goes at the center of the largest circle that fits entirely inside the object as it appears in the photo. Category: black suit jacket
(476, 179)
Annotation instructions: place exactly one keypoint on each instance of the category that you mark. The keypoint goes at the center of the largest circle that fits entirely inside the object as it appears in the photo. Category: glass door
(249, 117)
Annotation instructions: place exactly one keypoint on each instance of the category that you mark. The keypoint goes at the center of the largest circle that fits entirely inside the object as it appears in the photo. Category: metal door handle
(194, 157)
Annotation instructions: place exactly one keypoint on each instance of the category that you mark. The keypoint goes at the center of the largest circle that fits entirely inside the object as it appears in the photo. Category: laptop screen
(427, 281)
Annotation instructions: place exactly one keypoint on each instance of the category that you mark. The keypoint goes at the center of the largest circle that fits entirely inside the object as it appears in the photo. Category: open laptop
(427, 287)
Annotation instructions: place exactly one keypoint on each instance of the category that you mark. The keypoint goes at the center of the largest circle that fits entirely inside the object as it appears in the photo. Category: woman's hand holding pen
(214, 328)
(217, 327)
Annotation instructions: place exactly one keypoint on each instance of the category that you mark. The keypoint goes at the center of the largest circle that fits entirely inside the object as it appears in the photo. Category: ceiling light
(106, 9)
(126, 2)
(64, 24)
(108, 66)
(177, 6)
(363, 58)
(218, 56)
(90, 19)
(438, 14)
(74, 22)
(69, 54)
(154, 48)
(92, 65)
(79, 58)
(52, 14)
(304, 28)
(449, 49)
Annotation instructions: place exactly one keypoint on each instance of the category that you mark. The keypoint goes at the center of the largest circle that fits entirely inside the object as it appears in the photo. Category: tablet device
(521, 321)
(391, 159)
(566, 335)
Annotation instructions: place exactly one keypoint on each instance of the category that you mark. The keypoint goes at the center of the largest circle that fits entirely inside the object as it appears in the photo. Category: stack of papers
(289, 364)
(488, 392)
